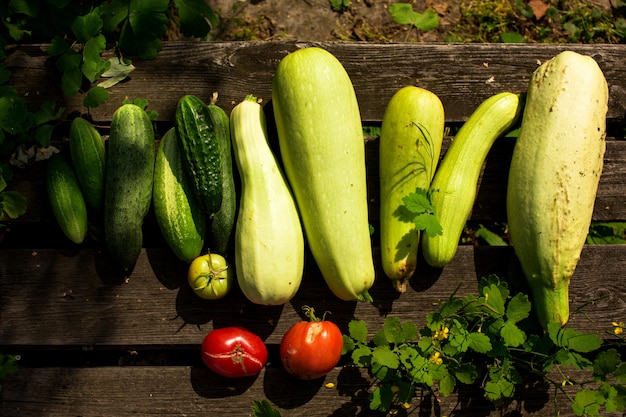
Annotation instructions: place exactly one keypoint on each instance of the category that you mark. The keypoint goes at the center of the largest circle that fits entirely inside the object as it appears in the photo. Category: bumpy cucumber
(322, 147)
(89, 160)
(453, 189)
(222, 224)
(269, 241)
(177, 210)
(128, 184)
(555, 169)
(196, 130)
(409, 148)
(66, 199)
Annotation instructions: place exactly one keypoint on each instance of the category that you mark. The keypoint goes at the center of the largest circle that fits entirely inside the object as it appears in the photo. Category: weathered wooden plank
(461, 74)
(62, 298)
(194, 391)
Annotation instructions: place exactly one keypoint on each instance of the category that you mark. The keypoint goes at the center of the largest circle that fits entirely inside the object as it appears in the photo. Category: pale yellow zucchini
(554, 175)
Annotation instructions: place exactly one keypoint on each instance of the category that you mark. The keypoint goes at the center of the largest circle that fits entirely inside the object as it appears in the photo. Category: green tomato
(210, 276)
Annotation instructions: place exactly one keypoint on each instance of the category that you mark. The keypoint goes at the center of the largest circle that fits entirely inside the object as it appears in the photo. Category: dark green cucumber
(196, 130)
(128, 185)
(89, 160)
(66, 199)
(177, 210)
(222, 225)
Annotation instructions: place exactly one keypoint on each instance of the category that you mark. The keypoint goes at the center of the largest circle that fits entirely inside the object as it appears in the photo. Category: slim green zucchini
(409, 148)
(453, 189)
(177, 210)
(88, 156)
(196, 130)
(222, 224)
(269, 241)
(128, 184)
(555, 169)
(322, 146)
(66, 199)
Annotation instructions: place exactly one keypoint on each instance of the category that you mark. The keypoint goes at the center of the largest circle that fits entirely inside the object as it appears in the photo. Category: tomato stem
(310, 313)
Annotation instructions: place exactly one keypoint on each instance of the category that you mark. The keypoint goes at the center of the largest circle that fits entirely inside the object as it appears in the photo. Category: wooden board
(94, 341)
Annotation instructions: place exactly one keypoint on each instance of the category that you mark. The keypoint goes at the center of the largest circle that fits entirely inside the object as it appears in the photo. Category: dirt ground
(314, 20)
(364, 20)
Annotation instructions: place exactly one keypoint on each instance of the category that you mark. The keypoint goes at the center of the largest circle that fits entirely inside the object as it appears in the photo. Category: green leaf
(479, 342)
(358, 330)
(58, 46)
(494, 299)
(362, 356)
(512, 335)
(13, 204)
(396, 332)
(93, 65)
(264, 409)
(196, 17)
(512, 37)
(518, 308)
(573, 339)
(87, 26)
(466, 373)
(69, 64)
(586, 403)
(447, 385)
(384, 356)
(404, 14)
(339, 5)
(348, 344)
(43, 135)
(614, 397)
(95, 97)
(490, 237)
(419, 203)
(606, 363)
(607, 233)
(113, 13)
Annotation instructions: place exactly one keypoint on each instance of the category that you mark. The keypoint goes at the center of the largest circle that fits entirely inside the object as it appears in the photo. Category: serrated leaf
(573, 339)
(95, 97)
(614, 397)
(264, 409)
(69, 64)
(404, 14)
(620, 373)
(93, 65)
(479, 342)
(348, 344)
(87, 26)
(447, 384)
(362, 356)
(383, 356)
(393, 330)
(196, 17)
(586, 403)
(43, 135)
(466, 373)
(13, 204)
(518, 308)
(58, 46)
(113, 13)
(358, 330)
(494, 299)
(606, 362)
(512, 335)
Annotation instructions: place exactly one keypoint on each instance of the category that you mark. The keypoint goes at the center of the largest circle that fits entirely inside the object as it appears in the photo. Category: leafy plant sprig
(403, 14)
(420, 206)
(487, 340)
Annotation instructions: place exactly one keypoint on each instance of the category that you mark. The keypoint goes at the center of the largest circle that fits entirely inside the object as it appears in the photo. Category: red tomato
(234, 352)
(311, 349)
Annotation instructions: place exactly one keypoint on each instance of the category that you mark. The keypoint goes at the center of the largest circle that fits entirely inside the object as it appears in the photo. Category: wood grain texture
(193, 391)
(98, 342)
(461, 75)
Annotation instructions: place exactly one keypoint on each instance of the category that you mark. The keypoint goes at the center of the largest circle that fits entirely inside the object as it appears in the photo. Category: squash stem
(552, 303)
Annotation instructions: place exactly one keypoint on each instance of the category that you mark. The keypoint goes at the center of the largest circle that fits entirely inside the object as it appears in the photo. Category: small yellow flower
(406, 406)
(436, 358)
(442, 333)
(619, 327)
